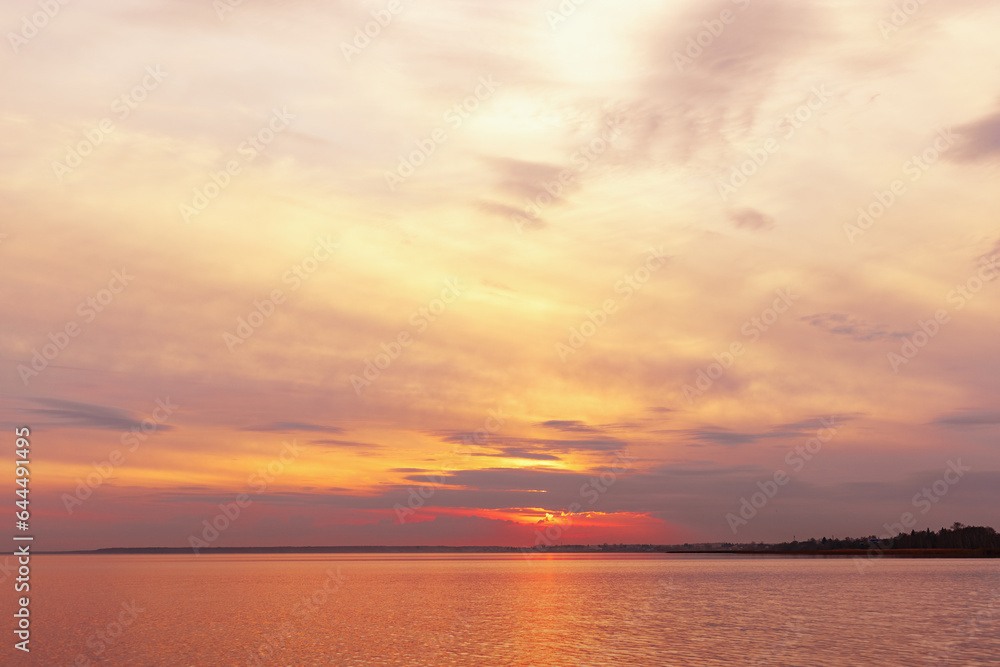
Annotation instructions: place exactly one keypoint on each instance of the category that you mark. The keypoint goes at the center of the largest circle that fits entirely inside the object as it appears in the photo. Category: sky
(533, 272)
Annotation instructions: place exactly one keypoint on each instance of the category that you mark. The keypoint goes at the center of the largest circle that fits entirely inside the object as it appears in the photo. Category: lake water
(507, 610)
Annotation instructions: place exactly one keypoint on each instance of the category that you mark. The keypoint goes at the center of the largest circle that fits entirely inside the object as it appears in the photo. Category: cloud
(521, 182)
(71, 414)
(804, 428)
(812, 423)
(573, 425)
(762, 35)
(723, 436)
(490, 479)
(524, 179)
(969, 418)
(536, 448)
(748, 218)
(284, 427)
(702, 103)
(519, 453)
(842, 324)
(502, 210)
(989, 255)
(533, 448)
(351, 444)
(979, 140)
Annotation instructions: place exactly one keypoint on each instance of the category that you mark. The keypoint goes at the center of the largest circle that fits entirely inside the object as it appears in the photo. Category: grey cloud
(801, 429)
(280, 427)
(842, 324)
(572, 425)
(519, 453)
(978, 140)
(834, 420)
(352, 444)
(597, 444)
(970, 418)
(72, 414)
(722, 437)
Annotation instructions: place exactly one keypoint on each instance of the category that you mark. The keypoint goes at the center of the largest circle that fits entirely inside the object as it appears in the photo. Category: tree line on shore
(958, 536)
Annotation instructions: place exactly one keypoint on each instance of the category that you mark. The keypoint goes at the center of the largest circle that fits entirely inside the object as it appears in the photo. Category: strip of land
(566, 549)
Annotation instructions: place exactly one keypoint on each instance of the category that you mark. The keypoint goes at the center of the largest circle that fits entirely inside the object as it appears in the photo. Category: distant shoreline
(626, 549)
(887, 553)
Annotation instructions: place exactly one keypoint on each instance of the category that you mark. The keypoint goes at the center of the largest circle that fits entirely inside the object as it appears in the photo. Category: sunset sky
(444, 276)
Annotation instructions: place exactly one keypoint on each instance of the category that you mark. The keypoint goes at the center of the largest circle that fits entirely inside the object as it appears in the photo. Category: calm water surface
(291, 610)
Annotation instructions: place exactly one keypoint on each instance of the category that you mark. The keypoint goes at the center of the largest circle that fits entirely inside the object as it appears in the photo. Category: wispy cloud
(539, 445)
(518, 453)
(970, 418)
(799, 429)
(60, 413)
(855, 328)
(716, 436)
(288, 427)
(570, 426)
(979, 140)
(348, 444)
